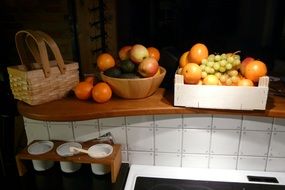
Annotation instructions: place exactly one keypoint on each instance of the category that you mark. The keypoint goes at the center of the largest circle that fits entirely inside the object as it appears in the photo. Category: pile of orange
(100, 92)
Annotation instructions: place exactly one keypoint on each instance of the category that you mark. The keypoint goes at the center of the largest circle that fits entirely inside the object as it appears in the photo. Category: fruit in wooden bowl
(135, 87)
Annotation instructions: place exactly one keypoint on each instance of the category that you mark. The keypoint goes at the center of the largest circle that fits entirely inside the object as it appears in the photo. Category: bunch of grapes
(224, 66)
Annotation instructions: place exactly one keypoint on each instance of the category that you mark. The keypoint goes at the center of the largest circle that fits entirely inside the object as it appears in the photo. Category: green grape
(230, 59)
(212, 70)
(232, 72)
(223, 63)
(223, 78)
(236, 62)
(211, 57)
(229, 66)
(210, 63)
(223, 56)
(222, 69)
(235, 79)
(217, 57)
(202, 67)
(204, 74)
(208, 69)
(216, 66)
(218, 75)
(237, 57)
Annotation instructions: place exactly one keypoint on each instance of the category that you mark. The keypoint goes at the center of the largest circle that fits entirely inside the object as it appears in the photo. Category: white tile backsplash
(204, 140)
(167, 159)
(251, 163)
(225, 142)
(257, 123)
(144, 158)
(279, 124)
(277, 144)
(196, 141)
(254, 143)
(168, 140)
(195, 160)
(223, 162)
(227, 122)
(197, 121)
(172, 121)
(140, 138)
(140, 121)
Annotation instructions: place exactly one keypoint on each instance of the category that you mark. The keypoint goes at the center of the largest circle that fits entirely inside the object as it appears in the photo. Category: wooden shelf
(114, 160)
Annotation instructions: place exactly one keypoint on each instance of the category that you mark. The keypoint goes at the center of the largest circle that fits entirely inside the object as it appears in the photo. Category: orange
(154, 53)
(245, 82)
(90, 79)
(124, 52)
(183, 60)
(198, 52)
(83, 90)
(105, 61)
(101, 92)
(254, 70)
(192, 73)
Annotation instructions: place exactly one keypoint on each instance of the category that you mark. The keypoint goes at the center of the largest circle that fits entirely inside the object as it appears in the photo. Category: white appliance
(142, 177)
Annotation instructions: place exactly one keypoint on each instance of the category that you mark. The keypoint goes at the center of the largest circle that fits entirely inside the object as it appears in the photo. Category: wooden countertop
(72, 109)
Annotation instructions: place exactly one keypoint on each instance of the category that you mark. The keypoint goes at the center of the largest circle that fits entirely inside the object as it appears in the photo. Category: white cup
(100, 169)
(69, 167)
(42, 165)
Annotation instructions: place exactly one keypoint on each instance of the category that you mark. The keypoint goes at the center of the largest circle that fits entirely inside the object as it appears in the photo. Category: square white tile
(36, 131)
(257, 123)
(112, 122)
(198, 121)
(167, 159)
(223, 162)
(85, 132)
(277, 145)
(254, 143)
(168, 120)
(279, 124)
(225, 142)
(139, 138)
(276, 165)
(251, 163)
(140, 121)
(168, 140)
(143, 158)
(196, 141)
(61, 131)
(195, 160)
(118, 134)
(226, 121)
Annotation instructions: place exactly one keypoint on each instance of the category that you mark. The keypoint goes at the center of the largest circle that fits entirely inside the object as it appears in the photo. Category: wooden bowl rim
(138, 79)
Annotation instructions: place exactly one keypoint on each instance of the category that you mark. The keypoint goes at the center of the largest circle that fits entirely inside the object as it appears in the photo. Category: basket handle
(34, 40)
(42, 51)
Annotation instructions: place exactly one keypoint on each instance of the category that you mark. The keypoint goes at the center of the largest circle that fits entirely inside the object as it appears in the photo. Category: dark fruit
(129, 76)
(127, 66)
(113, 72)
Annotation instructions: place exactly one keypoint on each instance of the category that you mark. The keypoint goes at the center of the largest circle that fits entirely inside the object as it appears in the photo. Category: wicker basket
(45, 80)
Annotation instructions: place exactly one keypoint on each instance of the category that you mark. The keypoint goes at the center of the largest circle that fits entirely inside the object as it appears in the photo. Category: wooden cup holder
(114, 160)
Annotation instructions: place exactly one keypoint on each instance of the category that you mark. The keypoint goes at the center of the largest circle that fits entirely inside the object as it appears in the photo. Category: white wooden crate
(221, 97)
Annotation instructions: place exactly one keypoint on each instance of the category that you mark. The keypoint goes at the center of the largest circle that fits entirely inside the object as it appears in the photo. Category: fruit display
(136, 61)
(199, 67)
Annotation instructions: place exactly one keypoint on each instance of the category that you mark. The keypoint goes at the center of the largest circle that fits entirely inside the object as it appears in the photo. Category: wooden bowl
(135, 88)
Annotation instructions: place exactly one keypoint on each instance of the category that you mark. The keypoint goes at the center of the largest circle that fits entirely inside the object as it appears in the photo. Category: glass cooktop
(151, 183)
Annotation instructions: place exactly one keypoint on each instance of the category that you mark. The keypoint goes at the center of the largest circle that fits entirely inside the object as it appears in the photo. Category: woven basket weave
(44, 80)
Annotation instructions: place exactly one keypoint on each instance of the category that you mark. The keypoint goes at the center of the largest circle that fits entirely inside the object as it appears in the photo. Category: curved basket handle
(55, 50)
(41, 50)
